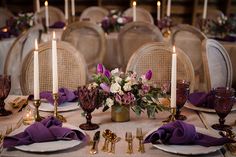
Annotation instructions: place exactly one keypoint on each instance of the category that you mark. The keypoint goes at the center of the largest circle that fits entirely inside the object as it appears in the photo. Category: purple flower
(148, 75)
(100, 68)
(107, 73)
(105, 87)
(145, 89)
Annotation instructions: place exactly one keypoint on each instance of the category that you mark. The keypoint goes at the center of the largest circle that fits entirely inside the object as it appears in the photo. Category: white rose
(109, 102)
(120, 20)
(115, 88)
(92, 85)
(118, 79)
(114, 16)
(144, 80)
(115, 72)
(127, 86)
(127, 79)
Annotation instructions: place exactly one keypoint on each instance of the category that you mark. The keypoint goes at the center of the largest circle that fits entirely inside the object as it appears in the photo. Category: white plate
(47, 107)
(51, 146)
(191, 106)
(189, 149)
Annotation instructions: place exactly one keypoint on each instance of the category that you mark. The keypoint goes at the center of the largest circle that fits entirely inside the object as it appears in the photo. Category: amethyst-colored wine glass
(88, 99)
(182, 93)
(223, 103)
(5, 87)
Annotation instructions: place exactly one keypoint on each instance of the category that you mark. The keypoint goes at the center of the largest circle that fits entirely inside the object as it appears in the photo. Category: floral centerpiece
(165, 25)
(16, 25)
(114, 21)
(129, 91)
(221, 27)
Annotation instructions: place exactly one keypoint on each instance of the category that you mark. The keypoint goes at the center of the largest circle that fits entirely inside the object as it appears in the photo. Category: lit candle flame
(158, 3)
(4, 29)
(46, 3)
(134, 3)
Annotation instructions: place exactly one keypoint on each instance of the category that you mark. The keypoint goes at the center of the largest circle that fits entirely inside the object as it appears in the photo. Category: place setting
(117, 78)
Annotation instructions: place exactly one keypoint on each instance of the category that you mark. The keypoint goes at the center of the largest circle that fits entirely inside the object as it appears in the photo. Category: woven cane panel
(54, 14)
(159, 61)
(94, 14)
(71, 70)
(87, 41)
(157, 57)
(191, 45)
(135, 37)
(217, 68)
(19, 50)
(141, 15)
(190, 40)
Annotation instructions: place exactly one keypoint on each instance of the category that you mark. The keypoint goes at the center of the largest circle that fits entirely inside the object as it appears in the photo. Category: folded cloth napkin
(202, 99)
(58, 24)
(181, 133)
(49, 129)
(64, 94)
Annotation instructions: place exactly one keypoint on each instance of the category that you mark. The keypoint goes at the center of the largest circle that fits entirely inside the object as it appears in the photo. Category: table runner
(103, 118)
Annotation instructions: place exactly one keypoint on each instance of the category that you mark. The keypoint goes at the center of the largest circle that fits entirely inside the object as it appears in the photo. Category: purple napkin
(202, 99)
(65, 95)
(181, 133)
(49, 129)
(58, 24)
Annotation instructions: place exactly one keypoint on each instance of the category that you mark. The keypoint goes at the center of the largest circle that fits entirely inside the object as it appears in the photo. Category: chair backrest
(5, 14)
(217, 65)
(94, 14)
(133, 35)
(141, 15)
(157, 57)
(18, 51)
(190, 39)
(54, 13)
(71, 68)
(89, 39)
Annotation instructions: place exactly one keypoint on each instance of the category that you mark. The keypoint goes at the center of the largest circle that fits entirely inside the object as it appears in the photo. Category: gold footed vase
(120, 113)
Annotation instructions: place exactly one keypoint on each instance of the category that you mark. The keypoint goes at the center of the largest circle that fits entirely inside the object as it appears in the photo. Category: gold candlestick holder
(171, 118)
(37, 117)
(56, 114)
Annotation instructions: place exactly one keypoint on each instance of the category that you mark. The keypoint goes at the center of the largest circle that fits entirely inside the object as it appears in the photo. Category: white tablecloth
(103, 119)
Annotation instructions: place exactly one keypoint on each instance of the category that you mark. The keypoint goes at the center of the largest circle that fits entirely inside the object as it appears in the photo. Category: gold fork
(139, 136)
(129, 139)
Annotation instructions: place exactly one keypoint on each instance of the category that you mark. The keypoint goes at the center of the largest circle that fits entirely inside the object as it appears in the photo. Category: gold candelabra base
(56, 114)
(37, 117)
(171, 118)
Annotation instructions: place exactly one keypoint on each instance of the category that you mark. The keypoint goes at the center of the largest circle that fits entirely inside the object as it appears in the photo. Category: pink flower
(105, 87)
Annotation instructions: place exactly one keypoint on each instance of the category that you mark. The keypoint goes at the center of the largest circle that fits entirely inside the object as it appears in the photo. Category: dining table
(202, 120)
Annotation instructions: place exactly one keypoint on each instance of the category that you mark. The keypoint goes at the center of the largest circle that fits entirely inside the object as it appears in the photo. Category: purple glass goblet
(88, 99)
(5, 87)
(182, 93)
(223, 102)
